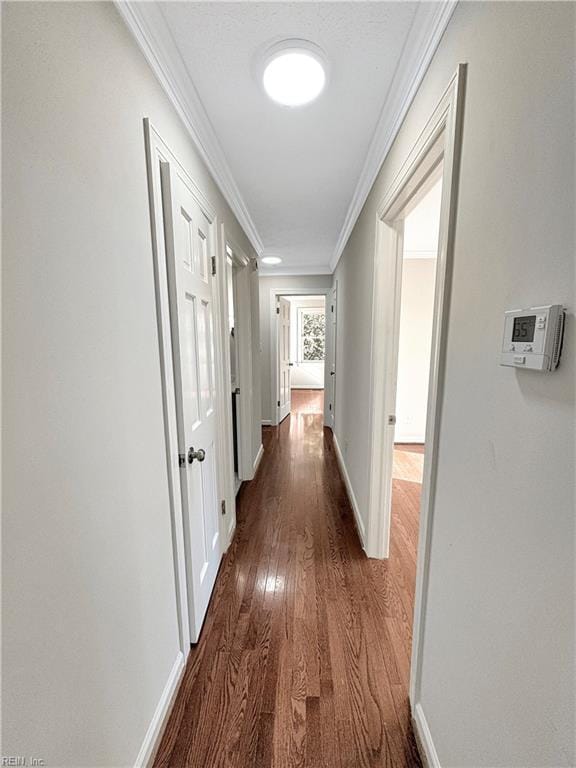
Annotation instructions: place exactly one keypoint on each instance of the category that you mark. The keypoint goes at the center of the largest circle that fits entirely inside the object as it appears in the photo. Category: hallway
(175, 174)
(304, 656)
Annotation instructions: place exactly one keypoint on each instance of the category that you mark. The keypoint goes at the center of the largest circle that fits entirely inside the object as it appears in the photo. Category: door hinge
(181, 459)
(277, 310)
(391, 419)
(213, 259)
(223, 506)
(330, 407)
(278, 403)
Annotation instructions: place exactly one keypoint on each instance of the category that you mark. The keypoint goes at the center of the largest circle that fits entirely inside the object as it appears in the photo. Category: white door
(188, 247)
(331, 385)
(283, 358)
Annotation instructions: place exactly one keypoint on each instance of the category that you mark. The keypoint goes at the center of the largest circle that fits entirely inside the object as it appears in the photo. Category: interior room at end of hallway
(270, 288)
(307, 341)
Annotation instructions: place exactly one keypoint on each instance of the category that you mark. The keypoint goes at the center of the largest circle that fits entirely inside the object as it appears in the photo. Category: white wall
(306, 283)
(422, 225)
(305, 373)
(90, 631)
(416, 314)
(498, 652)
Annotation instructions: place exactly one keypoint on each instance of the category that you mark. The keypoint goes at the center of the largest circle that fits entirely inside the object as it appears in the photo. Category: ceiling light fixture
(294, 72)
(271, 260)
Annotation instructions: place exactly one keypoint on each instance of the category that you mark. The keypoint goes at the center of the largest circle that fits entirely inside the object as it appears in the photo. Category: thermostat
(533, 337)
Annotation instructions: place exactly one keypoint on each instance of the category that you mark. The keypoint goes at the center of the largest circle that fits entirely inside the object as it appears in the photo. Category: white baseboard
(266, 422)
(258, 459)
(424, 739)
(349, 490)
(231, 531)
(156, 728)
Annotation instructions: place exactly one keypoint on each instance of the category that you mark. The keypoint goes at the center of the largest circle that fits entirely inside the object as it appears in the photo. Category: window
(311, 332)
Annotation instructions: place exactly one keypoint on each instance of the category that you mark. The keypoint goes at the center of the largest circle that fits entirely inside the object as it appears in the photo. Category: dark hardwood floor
(304, 656)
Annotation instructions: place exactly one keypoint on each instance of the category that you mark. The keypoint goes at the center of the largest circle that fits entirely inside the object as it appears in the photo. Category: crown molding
(425, 34)
(306, 269)
(148, 26)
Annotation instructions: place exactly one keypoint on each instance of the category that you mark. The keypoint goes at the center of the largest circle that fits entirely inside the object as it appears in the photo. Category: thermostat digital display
(523, 329)
(533, 337)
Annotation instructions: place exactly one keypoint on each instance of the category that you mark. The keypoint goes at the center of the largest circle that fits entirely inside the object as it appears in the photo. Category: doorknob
(332, 373)
(200, 454)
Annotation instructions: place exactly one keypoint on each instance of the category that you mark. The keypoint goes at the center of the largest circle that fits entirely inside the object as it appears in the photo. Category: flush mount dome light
(294, 73)
(271, 260)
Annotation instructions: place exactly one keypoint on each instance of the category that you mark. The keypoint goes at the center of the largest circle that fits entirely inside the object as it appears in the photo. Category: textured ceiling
(296, 169)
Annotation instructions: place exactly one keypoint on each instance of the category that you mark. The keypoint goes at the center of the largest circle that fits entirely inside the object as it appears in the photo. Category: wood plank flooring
(408, 464)
(303, 661)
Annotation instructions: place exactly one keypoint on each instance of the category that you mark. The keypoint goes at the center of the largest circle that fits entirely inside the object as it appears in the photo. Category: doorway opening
(234, 378)
(416, 322)
(239, 372)
(301, 352)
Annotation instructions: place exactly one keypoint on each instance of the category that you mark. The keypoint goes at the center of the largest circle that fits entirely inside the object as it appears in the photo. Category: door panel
(188, 242)
(284, 358)
(206, 362)
(189, 357)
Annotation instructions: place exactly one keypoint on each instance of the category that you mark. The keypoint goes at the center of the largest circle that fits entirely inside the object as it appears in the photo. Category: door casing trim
(245, 267)
(439, 142)
(157, 151)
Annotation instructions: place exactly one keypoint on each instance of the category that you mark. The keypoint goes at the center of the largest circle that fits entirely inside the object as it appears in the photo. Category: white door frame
(283, 313)
(332, 338)
(439, 143)
(274, 294)
(243, 333)
(157, 152)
